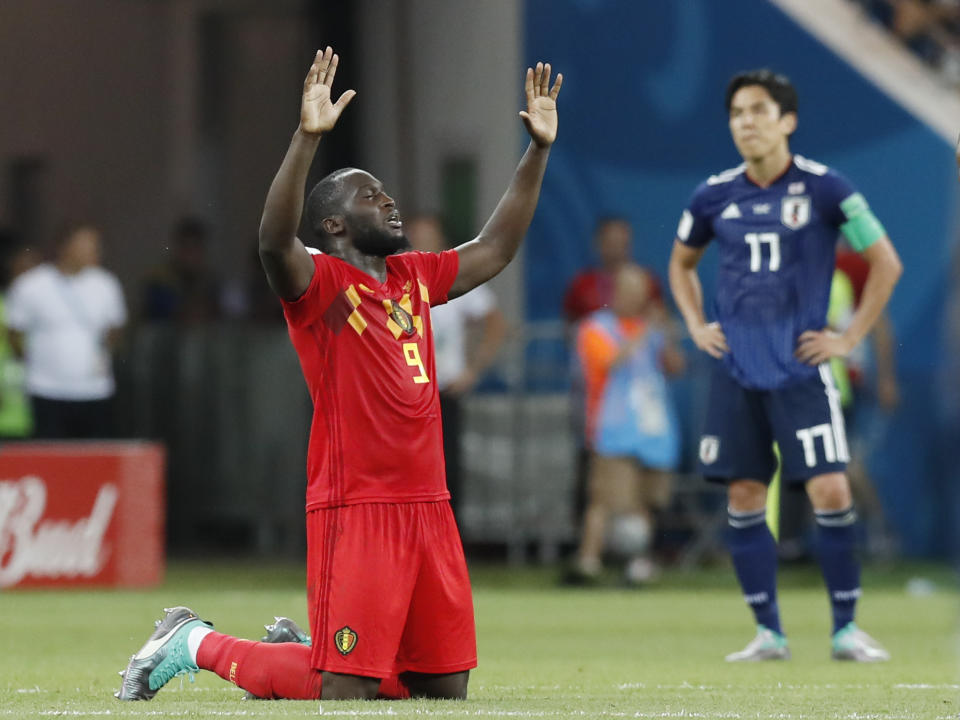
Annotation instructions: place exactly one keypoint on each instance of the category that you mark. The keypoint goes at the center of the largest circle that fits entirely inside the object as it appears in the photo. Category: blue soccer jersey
(777, 251)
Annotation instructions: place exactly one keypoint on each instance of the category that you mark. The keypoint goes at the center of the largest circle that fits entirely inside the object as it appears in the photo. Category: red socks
(273, 670)
(268, 670)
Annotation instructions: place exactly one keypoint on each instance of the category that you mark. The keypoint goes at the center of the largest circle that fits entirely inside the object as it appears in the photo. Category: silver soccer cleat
(767, 645)
(852, 643)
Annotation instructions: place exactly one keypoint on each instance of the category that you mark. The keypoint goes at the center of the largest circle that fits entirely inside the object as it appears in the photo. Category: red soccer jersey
(366, 350)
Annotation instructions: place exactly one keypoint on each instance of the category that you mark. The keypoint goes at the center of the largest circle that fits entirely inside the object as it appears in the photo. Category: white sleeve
(117, 308)
(18, 306)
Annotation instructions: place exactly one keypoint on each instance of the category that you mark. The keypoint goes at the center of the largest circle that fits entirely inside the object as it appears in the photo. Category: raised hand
(318, 113)
(540, 117)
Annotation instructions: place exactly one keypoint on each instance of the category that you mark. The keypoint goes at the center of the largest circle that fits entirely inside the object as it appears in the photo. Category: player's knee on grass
(451, 686)
(829, 492)
(747, 495)
(337, 686)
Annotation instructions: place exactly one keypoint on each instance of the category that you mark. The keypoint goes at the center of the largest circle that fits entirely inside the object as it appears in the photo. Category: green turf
(544, 652)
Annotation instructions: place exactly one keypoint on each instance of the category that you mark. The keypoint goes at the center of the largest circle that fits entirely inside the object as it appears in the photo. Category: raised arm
(286, 261)
(498, 241)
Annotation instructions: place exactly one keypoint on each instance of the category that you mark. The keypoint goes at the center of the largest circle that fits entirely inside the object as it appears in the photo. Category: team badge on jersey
(709, 449)
(795, 211)
(346, 640)
(402, 318)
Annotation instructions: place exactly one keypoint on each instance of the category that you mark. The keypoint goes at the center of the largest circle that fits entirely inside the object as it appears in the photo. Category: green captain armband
(862, 229)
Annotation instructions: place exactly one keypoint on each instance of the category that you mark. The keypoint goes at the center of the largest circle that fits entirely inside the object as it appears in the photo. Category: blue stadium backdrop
(642, 122)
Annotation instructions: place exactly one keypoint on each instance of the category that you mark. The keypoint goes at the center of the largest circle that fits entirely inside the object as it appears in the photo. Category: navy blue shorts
(805, 419)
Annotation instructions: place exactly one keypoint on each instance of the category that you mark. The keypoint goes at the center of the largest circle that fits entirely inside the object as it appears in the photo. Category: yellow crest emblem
(346, 640)
(402, 318)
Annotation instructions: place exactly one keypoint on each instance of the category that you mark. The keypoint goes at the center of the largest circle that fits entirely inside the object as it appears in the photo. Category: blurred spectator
(631, 425)
(65, 317)
(16, 419)
(468, 332)
(589, 291)
(247, 295)
(184, 289)
(929, 28)
(592, 289)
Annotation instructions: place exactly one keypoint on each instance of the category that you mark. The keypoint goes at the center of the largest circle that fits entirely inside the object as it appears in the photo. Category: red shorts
(388, 590)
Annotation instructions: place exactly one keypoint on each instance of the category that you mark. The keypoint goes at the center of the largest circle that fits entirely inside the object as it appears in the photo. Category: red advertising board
(81, 514)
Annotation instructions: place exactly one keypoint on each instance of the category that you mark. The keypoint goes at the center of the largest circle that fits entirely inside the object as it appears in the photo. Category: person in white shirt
(65, 318)
(468, 332)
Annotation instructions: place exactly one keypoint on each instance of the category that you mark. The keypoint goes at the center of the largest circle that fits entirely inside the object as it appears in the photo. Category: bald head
(326, 200)
(349, 208)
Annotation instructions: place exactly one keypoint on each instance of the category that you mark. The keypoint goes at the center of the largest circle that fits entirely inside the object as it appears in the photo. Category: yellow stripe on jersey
(353, 296)
(357, 322)
(424, 294)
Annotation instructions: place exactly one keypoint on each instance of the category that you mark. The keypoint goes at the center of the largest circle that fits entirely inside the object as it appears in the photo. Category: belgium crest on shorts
(346, 640)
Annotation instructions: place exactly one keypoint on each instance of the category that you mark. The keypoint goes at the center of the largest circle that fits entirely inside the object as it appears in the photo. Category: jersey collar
(774, 181)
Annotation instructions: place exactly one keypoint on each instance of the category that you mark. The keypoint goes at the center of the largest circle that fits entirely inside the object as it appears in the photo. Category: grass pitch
(545, 652)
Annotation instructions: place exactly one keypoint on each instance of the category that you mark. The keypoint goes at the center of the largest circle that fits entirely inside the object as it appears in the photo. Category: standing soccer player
(388, 594)
(776, 219)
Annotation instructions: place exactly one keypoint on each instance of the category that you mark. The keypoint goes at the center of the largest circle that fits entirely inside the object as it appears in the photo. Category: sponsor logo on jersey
(346, 640)
(730, 212)
(761, 208)
(795, 211)
(796, 188)
(709, 449)
(402, 318)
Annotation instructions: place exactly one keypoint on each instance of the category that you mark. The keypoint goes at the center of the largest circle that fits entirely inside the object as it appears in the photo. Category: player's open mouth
(394, 221)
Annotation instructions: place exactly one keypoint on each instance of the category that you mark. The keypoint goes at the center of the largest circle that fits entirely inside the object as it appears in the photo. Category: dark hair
(779, 87)
(324, 200)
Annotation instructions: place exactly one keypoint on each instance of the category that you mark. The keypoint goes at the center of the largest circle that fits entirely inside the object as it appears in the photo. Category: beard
(378, 242)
